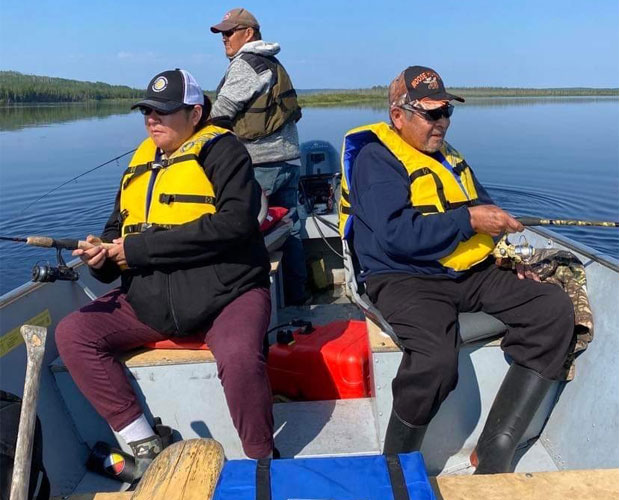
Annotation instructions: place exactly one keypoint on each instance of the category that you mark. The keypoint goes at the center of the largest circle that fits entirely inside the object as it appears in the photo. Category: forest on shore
(17, 88)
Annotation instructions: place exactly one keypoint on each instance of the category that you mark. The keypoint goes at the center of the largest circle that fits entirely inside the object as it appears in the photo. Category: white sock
(137, 430)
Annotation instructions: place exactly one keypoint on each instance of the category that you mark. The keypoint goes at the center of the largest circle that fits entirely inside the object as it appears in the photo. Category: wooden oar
(34, 338)
(187, 470)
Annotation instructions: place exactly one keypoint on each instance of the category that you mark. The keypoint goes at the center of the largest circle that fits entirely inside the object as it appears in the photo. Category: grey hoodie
(241, 85)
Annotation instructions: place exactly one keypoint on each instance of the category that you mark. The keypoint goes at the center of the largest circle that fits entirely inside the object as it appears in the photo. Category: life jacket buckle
(123, 215)
(166, 198)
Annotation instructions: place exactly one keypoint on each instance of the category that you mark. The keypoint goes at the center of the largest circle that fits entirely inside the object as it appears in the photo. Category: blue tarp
(333, 478)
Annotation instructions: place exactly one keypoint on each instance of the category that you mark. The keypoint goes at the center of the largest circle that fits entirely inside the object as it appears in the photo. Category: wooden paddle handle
(34, 338)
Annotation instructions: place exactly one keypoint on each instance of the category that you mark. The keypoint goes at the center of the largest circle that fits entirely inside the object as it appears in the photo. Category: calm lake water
(555, 158)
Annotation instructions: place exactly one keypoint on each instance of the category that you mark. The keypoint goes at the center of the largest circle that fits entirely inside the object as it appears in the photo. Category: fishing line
(74, 179)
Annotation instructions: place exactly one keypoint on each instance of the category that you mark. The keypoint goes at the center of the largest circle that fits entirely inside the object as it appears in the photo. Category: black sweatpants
(423, 312)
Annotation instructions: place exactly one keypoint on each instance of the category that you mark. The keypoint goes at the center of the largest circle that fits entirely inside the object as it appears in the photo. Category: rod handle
(85, 245)
(529, 221)
(40, 241)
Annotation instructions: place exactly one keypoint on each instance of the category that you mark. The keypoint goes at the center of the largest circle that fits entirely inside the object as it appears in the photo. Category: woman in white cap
(191, 259)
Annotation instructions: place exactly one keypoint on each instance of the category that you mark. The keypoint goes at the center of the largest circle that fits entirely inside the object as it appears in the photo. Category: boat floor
(601, 484)
(345, 427)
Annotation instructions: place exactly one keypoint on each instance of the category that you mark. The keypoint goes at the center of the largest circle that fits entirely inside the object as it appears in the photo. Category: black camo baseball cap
(172, 90)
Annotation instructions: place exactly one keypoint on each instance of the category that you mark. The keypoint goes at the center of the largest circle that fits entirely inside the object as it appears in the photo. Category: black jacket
(180, 278)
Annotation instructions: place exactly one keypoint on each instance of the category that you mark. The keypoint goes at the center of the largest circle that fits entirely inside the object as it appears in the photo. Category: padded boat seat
(472, 326)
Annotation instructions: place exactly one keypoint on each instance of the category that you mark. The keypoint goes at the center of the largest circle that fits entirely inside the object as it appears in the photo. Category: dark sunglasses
(431, 115)
(230, 33)
(147, 111)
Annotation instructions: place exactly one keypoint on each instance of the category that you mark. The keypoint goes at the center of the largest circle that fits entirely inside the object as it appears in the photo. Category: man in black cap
(423, 229)
(257, 95)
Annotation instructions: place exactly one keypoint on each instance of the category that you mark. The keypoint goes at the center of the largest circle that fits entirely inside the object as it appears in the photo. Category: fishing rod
(76, 178)
(536, 221)
(47, 272)
(43, 273)
(523, 251)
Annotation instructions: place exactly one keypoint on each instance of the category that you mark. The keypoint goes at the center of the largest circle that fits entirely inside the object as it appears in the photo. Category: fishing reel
(46, 273)
(520, 252)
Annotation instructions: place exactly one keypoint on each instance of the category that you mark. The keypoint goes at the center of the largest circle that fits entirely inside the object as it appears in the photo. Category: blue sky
(325, 44)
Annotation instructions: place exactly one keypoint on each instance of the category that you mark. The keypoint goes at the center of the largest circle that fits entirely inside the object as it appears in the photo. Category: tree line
(18, 88)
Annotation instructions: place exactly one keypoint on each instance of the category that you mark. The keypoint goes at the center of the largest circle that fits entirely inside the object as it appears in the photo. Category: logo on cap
(430, 79)
(227, 15)
(160, 84)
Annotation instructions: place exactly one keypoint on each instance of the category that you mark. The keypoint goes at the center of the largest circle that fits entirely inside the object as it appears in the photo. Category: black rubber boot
(516, 402)
(401, 437)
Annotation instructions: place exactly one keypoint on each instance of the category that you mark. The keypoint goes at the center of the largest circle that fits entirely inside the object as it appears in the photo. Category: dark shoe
(163, 431)
(144, 452)
(402, 437)
(516, 402)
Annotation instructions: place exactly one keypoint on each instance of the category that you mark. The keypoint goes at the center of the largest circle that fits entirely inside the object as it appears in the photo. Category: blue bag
(372, 477)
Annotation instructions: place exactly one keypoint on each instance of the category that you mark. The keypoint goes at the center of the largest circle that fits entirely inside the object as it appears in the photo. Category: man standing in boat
(191, 259)
(257, 95)
(423, 229)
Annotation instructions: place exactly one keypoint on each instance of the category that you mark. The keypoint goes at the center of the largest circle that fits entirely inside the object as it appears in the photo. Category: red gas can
(329, 363)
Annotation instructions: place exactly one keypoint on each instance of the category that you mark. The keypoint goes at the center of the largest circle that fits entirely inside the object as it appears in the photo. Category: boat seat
(276, 235)
(472, 326)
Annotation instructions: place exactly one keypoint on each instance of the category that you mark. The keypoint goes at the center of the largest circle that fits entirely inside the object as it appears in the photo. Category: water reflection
(18, 117)
(23, 116)
(534, 161)
(475, 102)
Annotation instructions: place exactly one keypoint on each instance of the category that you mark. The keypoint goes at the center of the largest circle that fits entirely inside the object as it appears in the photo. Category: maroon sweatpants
(88, 340)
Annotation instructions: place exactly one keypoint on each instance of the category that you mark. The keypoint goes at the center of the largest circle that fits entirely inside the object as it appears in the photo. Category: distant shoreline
(17, 88)
(374, 96)
(345, 98)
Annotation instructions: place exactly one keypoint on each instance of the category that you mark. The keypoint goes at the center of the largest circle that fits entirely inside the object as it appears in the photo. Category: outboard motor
(319, 184)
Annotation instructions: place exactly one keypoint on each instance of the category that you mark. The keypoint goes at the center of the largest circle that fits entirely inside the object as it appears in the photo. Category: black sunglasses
(431, 115)
(230, 33)
(147, 111)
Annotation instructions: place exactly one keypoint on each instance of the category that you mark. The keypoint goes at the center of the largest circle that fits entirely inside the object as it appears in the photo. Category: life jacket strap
(143, 226)
(426, 209)
(438, 184)
(186, 198)
(460, 167)
(138, 170)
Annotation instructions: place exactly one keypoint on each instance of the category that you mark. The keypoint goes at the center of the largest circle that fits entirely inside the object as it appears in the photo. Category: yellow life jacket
(180, 191)
(433, 187)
